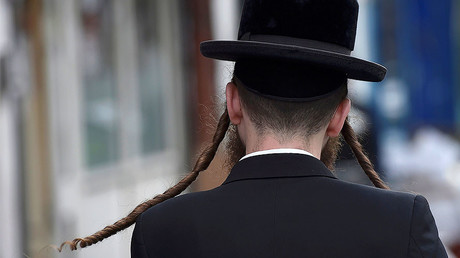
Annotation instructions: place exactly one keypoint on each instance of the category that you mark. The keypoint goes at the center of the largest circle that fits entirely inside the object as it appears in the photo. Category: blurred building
(101, 106)
(416, 109)
(105, 103)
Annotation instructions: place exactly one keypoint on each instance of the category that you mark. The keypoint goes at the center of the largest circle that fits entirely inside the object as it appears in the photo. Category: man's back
(288, 205)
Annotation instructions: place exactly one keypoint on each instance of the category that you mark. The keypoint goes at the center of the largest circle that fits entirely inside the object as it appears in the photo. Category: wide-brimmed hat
(318, 33)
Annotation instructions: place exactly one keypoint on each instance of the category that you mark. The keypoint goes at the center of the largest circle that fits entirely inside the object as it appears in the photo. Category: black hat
(319, 33)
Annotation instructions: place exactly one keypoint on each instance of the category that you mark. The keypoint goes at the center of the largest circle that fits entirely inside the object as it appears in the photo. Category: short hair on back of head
(289, 119)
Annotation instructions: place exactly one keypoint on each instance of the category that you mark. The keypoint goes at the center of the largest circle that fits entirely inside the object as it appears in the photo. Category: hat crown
(331, 21)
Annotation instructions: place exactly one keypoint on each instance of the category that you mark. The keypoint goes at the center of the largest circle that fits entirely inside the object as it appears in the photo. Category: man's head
(265, 123)
(295, 57)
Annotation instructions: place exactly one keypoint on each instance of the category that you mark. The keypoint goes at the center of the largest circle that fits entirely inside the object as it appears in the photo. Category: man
(287, 104)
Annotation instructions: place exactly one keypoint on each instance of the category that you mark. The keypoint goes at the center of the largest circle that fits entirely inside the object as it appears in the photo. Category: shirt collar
(278, 165)
(277, 151)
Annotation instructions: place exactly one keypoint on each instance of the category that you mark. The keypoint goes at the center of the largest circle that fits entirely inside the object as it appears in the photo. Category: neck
(268, 142)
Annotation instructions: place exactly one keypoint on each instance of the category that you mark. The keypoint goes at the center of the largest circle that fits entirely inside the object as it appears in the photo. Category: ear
(337, 121)
(233, 103)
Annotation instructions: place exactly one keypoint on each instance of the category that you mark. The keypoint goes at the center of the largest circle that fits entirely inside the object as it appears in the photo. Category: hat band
(307, 43)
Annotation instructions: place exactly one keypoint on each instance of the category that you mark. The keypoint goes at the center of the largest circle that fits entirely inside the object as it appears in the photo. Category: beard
(234, 147)
(330, 152)
(235, 150)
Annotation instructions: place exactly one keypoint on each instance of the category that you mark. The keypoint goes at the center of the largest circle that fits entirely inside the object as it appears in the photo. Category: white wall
(88, 199)
(361, 91)
(225, 18)
(10, 217)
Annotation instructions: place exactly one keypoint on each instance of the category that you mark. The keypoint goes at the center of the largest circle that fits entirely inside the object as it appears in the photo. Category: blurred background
(105, 103)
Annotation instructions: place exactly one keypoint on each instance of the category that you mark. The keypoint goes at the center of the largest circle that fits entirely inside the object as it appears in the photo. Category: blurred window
(99, 87)
(150, 78)
(107, 110)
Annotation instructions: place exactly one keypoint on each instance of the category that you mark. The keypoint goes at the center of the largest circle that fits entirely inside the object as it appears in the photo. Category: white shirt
(276, 151)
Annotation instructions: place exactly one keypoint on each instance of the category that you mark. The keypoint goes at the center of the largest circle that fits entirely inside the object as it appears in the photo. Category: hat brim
(353, 67)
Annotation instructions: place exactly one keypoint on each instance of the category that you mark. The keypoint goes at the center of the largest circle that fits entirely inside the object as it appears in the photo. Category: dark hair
(290, 118)
(306, 118)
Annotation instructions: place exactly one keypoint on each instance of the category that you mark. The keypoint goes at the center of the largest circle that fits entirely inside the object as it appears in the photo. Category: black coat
(288, 205)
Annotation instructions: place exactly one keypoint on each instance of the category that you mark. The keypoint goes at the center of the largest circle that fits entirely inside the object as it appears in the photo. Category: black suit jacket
(288, 205)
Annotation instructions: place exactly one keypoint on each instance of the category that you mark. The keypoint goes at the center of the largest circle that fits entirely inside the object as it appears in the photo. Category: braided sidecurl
(350, 137)
(201, 164)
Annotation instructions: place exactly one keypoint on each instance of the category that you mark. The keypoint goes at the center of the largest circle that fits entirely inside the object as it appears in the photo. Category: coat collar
(280, 165)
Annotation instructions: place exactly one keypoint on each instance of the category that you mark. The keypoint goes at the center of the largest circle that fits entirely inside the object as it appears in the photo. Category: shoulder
(176, 212)
(165, 226)
(409, 213)
(372, 196)
(183, 213)
(424, 238)
(388, 211)
(178, 206)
